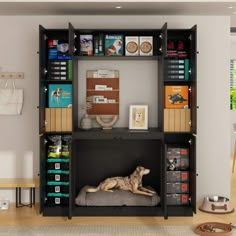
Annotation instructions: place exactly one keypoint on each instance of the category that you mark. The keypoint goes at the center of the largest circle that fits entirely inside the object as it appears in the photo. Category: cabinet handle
(194, 135)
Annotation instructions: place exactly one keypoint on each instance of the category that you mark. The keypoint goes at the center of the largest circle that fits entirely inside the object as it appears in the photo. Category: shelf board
(117, 211)
(117, 57)
(54, 81)
(118, 133)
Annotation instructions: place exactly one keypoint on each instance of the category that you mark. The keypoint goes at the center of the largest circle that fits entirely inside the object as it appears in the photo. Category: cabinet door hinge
(45, 37)
(190, 141)
(190, 71)
(190, 89)
(190, 37)
(190, 200)
(160, 36)
(45, 123)
(75, 36)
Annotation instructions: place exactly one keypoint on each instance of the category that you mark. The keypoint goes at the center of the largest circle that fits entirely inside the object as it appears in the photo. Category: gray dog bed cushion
(115, 198)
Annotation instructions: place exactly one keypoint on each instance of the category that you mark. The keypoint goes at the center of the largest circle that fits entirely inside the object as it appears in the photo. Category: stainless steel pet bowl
(216, 204)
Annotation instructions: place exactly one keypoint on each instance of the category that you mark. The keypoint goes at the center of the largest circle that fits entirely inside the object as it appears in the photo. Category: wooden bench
(19, 183)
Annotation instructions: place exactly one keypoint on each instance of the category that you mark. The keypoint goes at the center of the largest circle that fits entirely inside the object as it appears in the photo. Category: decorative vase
(86, 122)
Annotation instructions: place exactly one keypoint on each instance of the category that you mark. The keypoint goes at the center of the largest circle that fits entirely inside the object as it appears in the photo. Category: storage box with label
(177, 188)
(177, 176)
(177, 159)
(177, 199)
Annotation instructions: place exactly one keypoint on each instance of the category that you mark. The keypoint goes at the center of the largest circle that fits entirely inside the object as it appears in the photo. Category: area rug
(88, 230)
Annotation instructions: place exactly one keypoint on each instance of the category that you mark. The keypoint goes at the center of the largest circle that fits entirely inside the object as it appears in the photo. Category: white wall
(233, 112)
(19, 135)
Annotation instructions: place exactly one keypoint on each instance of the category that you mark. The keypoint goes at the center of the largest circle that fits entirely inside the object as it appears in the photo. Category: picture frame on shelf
(138, 117)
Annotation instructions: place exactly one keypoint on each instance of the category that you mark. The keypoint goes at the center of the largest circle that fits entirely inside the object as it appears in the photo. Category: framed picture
(138, 117)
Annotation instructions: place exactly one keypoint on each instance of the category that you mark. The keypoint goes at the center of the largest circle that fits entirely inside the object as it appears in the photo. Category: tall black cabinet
(96, 154)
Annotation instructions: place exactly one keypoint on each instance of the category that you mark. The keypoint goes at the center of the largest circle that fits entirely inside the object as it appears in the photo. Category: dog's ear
(139, 168)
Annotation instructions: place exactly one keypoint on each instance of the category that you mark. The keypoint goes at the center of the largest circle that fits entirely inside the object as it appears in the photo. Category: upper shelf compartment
(117, 44)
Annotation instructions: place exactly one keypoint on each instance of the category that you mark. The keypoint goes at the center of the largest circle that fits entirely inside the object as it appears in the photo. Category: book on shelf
(146, 45)
(177, 69)
(58, 50)
(176, 48)
(86, 45)
(59, 70)
(131, 45)
(176, 96)
(99, 45)
(114, 44)
(59, 95)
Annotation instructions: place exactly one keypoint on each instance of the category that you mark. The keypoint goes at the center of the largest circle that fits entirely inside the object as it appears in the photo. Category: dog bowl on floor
(216, 204)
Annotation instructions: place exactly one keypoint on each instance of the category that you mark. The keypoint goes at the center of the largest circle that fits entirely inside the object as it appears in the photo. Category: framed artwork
(138, 117)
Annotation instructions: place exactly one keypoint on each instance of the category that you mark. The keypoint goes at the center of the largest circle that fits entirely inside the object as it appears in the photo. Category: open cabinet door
(42, 75)
(164, 39)
(72, 35)
(193, 105)
(193, 78)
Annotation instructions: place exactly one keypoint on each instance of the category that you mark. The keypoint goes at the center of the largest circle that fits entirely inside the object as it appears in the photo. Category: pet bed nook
(115, 198)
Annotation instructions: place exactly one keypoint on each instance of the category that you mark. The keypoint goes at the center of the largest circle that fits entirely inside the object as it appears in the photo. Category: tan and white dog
(131, 183)
(115, 48)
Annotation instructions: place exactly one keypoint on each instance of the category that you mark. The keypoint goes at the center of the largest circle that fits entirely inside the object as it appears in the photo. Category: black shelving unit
(97, 154)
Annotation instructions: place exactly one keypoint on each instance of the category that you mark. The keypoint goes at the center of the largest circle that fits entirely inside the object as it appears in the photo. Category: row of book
(115, 45)
(176, 69)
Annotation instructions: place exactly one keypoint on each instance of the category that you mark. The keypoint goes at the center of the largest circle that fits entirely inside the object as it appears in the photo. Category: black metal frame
(18, 197)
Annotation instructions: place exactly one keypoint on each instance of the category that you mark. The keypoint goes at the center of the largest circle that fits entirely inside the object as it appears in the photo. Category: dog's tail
(92, 190)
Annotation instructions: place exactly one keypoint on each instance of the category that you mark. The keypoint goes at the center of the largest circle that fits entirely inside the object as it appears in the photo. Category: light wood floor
(31, 216)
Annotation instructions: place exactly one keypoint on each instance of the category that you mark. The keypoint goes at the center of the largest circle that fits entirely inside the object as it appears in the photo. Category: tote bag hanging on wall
(11, 100)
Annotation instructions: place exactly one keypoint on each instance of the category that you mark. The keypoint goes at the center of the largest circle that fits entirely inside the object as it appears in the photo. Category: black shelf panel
(117, 57)
(118, 133)
(53, 81)
(58, 133)
(172, 137)
(179, 211)
(55, 211)
(117, 211)
(177, 82)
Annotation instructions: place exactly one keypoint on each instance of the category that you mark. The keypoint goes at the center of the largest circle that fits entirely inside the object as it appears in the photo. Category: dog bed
(115, 198)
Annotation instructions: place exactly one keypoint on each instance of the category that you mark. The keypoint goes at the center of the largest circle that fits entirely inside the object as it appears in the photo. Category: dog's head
(117, 43)
(142, 171)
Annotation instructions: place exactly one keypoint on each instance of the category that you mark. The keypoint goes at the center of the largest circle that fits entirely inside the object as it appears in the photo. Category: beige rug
(58, 230)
